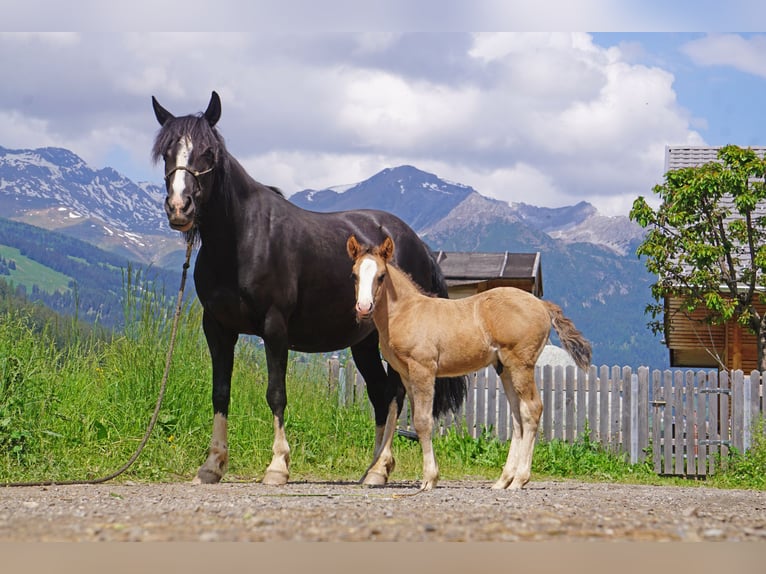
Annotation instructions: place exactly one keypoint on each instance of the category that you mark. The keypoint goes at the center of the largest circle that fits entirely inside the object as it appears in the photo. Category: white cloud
(383, 110)
(549, 119)
(732, 50)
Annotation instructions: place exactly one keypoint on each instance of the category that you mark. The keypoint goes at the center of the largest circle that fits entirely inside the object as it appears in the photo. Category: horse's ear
(387, 249)
(161, 113)
(353, 248)
(213, 111)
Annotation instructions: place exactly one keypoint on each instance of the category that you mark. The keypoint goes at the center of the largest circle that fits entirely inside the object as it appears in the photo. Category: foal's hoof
(207, 476)
(374, 479)
(275, 478)
(501, 484)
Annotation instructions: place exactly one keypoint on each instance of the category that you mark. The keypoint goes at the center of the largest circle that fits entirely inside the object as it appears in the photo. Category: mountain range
(588, 259)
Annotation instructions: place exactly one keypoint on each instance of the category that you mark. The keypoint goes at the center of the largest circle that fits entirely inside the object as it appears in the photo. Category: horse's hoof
(274, 478)
(207, 476)
(374, 479)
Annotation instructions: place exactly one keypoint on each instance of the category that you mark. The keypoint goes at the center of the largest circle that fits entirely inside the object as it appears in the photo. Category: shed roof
(519, 269)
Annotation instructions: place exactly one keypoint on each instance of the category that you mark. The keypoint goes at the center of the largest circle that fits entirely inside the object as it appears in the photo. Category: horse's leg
(385, 393)
(420, 387)
(275, 344)
(526, 408)
(221, 344)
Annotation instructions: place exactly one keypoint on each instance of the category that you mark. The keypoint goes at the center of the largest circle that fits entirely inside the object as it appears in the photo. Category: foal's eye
(381, 277)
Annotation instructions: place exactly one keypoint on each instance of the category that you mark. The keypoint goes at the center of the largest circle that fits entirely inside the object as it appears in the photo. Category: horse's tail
(450, 392)
(571, 339)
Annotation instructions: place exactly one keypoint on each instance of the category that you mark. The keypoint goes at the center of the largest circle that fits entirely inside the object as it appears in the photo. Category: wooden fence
(684, 418)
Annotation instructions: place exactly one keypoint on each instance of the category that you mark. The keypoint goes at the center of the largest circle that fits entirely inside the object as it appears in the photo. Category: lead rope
(156, 413)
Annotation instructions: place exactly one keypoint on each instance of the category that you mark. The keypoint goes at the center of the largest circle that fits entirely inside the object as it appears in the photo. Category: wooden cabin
(691, 341)
(470, 273)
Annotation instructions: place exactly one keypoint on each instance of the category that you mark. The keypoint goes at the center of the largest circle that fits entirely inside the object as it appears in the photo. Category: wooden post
(333, 372)
(569, 404)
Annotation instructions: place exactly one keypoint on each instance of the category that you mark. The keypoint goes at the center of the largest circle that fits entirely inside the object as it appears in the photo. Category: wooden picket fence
(687, 420)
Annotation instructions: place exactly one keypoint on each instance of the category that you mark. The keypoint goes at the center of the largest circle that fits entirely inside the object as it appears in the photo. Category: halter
(194, 173)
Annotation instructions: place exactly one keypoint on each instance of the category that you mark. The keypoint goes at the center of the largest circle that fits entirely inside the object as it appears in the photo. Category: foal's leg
(421, 391)
(520, 387)
(509, 470)
(384, 389)
(221, 344)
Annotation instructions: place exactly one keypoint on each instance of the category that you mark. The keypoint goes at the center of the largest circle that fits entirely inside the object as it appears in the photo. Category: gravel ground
(321, 511)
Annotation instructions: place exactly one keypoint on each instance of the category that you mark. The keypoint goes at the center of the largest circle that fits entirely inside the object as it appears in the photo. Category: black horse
(269, 268)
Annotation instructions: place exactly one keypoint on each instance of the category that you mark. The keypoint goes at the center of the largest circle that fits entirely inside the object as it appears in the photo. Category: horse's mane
(194, 126)
(203, 135)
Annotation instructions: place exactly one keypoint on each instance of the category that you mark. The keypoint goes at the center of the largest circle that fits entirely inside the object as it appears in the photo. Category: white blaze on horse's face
(367, 282)
(177, 183)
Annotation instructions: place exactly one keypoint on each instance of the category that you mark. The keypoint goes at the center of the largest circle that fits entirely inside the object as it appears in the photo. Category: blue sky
(728, 101)
(549, 119)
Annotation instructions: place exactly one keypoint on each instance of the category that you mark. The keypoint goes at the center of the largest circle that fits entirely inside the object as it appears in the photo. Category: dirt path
(315, 511)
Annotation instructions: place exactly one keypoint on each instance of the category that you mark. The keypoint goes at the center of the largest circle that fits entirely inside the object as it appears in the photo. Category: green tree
(706, 241)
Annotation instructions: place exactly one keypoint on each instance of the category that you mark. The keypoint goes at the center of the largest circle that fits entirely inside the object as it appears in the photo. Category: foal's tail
(572, 340)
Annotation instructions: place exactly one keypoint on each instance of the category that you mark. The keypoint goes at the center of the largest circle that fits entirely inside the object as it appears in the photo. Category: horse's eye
(381, 277)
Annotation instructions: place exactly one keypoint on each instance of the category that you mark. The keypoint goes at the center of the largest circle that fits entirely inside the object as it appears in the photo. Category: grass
(78, 410)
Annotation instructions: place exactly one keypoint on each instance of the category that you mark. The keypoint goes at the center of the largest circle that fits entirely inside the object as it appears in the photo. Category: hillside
(71, 276)
(55, 189)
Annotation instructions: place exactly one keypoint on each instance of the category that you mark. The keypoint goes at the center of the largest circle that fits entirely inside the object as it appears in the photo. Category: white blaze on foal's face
(177, 183)
(367, 281)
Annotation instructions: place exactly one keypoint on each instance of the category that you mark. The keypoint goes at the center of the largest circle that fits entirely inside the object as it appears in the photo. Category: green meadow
(76, 407)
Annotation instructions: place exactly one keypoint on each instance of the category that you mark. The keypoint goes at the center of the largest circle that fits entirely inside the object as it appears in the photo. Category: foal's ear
(386, 250)
(213, 111)
(161, 113)
(353, 248)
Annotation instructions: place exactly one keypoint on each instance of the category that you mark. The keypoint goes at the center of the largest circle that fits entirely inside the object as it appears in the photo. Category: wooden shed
(469, 273)
(691, 341)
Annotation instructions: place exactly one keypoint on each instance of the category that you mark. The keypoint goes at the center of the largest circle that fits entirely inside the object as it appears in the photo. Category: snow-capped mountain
(582, 223)
(433, 207)
(55, 189)
(418, 197)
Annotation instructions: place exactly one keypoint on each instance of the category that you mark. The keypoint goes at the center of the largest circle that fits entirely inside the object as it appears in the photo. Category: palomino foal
(423, 337)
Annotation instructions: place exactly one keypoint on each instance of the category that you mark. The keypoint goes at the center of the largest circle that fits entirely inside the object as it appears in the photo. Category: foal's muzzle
(363, 312)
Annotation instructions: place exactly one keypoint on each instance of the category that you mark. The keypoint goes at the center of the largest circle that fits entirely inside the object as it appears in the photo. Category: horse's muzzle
(180, 219)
